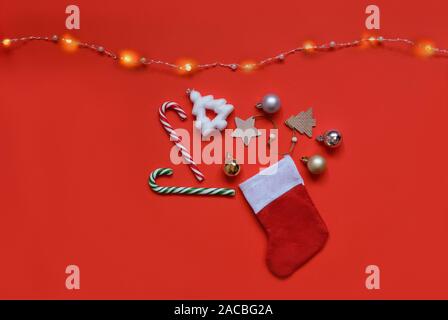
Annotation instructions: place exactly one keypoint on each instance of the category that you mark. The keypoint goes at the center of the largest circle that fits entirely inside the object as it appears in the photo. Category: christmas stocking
(295, 230)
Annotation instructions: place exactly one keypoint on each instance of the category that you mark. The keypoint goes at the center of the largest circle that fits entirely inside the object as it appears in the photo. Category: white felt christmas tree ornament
(200, 106)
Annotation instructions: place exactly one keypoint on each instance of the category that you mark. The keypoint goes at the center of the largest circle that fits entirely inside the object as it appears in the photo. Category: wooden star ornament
(303, 122)
(245, 130)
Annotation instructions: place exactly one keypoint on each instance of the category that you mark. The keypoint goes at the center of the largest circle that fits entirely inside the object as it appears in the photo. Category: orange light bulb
(6, 43)
(424, 49)
(309, 46)
(248, 66)
(69, 44)
(368, 40)
(129, 59)
(188, 67)
(372, 40)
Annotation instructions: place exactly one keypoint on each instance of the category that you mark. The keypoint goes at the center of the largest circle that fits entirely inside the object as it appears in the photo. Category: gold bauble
(232, 168)
(316, 164)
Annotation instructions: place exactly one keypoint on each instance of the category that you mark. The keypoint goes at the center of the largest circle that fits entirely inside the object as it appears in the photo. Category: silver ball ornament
(316, 164)
(270, 103)
(331, 138)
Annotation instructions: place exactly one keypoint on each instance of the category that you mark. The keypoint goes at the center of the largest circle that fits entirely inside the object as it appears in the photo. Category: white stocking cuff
(270, 183)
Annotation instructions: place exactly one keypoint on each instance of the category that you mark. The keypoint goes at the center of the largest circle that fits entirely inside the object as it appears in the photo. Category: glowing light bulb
(309, 46)
(69, 44)
(129, 59)
(188, 67)
(6, 43)
(424, 49)
(248, 66)
(368, 40)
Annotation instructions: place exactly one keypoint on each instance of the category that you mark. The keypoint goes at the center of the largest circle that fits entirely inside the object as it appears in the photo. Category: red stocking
(295, 230)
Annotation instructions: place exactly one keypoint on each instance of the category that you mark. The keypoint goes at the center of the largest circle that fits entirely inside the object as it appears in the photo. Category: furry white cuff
(270, 183)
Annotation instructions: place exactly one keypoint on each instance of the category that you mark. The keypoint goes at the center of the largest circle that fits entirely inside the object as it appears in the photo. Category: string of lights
(132, 59)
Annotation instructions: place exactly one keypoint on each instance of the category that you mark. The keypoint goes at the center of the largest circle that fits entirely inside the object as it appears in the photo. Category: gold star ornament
(303, 122)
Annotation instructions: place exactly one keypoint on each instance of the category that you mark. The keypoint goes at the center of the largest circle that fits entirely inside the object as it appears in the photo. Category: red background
(80, 134)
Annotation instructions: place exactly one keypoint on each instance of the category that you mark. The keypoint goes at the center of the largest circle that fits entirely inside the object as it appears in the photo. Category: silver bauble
(331, 138)
(270, 103)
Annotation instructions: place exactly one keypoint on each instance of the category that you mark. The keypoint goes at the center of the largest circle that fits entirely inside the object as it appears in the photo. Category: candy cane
(184, 190)
(175, 138)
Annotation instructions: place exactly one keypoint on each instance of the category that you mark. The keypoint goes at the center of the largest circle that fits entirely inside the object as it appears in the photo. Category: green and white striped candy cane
(184, 190)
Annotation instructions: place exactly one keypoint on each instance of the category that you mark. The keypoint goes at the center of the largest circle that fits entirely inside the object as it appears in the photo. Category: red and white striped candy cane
(169, 105)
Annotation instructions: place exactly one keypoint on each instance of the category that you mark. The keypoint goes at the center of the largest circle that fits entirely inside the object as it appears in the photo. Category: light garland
(131, 59)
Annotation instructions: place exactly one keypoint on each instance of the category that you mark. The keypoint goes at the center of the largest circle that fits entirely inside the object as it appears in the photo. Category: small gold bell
(231, 167)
